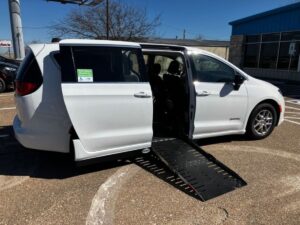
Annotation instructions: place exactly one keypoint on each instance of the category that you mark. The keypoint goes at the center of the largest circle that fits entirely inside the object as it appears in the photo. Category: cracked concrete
(226, 213)
(271, 196)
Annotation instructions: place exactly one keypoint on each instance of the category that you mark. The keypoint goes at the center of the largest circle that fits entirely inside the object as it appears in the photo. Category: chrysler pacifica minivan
(109, 97)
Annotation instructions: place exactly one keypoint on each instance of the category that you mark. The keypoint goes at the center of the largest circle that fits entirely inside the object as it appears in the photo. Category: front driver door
(219, 108)
(108, 99)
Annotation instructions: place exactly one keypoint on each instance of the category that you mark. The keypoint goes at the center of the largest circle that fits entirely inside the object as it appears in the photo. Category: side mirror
(238, 81)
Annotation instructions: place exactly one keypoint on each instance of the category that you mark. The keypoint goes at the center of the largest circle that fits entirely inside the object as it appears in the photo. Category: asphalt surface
(47, 188)
(40, 187)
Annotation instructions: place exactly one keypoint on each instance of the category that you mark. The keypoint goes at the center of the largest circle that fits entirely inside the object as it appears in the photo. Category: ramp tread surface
(207, 176)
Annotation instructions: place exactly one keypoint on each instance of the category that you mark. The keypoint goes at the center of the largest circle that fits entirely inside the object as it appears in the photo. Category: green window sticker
(85, 75)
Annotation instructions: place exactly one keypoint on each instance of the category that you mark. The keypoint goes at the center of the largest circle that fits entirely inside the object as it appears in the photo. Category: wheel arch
(1, 75)
(272, 102)
(2, 79)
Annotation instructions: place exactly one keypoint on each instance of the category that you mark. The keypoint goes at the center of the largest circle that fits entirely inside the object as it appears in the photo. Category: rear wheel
(262, 121)
(2, 85)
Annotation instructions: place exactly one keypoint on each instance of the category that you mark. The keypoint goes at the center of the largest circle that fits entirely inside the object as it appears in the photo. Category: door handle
(142, 95)
(203, 93)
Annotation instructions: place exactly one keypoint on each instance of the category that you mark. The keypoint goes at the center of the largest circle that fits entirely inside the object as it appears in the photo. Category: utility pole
(107, 19)
(16, 28)
(184, 34)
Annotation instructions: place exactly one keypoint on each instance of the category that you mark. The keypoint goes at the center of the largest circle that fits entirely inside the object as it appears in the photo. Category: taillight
(25, 88)
(29, 77)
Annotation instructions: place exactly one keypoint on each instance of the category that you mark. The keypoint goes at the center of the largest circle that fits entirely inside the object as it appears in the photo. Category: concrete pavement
(47, 188)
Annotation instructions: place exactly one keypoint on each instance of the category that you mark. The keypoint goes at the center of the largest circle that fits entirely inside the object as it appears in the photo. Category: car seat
(175, 94)
(129, 74)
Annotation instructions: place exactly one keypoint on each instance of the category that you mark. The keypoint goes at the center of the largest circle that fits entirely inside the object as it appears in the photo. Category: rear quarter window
(29, 70)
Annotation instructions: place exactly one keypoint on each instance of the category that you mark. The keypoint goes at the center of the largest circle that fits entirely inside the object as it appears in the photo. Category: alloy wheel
(263, 122)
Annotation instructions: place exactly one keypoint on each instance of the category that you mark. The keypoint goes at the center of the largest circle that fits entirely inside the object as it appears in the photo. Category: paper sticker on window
(85, 75)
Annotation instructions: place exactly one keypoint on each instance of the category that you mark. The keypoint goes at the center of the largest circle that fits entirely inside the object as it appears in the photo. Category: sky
(208, 18)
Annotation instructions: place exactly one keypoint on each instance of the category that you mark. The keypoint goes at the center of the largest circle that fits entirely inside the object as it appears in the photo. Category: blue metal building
(267, 44)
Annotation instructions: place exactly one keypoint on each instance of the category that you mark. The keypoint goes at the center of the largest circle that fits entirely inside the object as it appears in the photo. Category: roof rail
(162, 47)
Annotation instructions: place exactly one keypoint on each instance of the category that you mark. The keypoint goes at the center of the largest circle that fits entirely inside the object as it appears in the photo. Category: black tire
(262, 121)
(2, 85)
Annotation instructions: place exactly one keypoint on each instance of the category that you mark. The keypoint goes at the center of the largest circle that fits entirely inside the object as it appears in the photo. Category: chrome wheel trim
(263, 122)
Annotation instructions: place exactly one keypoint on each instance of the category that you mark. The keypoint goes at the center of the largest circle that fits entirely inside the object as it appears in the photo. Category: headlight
(10, 69)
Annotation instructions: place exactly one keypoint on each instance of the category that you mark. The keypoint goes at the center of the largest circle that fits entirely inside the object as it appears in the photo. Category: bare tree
(125, 23)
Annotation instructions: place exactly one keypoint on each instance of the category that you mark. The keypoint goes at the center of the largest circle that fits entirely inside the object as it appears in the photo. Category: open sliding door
(108, 98)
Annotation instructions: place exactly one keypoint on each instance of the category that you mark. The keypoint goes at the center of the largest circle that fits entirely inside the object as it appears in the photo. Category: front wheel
(2, 85)
(262, 121)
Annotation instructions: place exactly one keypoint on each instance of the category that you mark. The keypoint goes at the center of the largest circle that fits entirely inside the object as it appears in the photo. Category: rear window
(101, 64)
(29, 70)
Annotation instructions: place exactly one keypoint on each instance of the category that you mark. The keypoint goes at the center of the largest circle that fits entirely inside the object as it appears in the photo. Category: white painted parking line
(102, 207)
(291, 117)
(297, 113)
(7, 95)
(289, 107)
(8, 108)
(292, 121)
(294, 101)
(291, 99)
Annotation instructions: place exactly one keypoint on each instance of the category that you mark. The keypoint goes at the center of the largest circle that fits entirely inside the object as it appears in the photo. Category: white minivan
(107, 97)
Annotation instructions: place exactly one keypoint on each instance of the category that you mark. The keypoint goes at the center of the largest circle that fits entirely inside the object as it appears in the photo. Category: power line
(181, 29)
(41, 27)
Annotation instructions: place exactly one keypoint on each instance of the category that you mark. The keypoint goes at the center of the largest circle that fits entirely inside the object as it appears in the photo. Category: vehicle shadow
(8, 91)
(15, 160)
(222, 139)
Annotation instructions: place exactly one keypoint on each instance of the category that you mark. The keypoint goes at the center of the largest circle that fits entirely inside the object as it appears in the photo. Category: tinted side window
(65, 60)
(102, 64)
(132, 66)
(208, 69)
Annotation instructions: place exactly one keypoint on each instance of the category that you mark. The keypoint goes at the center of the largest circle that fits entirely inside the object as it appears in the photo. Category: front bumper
(281, 118)
(282, 107)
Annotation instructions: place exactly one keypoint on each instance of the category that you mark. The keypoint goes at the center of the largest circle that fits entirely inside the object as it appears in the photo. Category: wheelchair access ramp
(200, 171)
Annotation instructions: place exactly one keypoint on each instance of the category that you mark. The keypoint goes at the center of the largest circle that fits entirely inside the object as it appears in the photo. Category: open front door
(107, 98)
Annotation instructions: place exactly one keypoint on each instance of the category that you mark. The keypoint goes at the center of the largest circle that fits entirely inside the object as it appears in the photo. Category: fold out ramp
(196, 172)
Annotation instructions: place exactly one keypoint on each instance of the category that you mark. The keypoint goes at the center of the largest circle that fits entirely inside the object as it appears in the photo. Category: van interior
(171, 99)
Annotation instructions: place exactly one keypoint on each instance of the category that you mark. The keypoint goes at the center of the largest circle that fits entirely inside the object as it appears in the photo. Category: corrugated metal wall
(279, 22)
